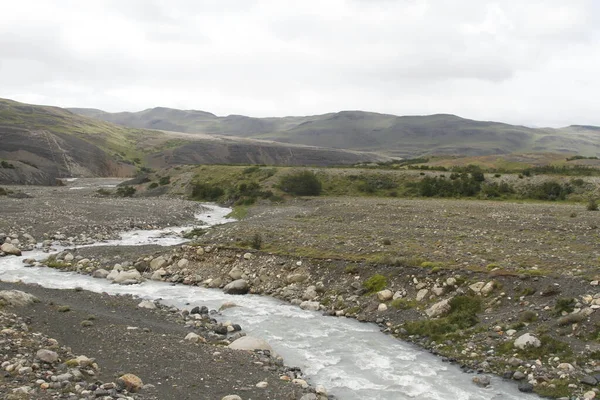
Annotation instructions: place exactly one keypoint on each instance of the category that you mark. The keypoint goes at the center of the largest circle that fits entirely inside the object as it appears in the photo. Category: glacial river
(352, 360)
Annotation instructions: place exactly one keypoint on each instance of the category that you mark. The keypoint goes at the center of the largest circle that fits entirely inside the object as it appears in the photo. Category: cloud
(531, 62)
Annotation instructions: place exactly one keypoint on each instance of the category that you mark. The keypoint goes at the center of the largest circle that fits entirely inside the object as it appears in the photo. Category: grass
(375, 283)
(238, 212)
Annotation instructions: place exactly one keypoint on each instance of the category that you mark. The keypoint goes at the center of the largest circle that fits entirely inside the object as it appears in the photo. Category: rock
(310, 293)
(183, 263)
(482, 380)
(11, 249)
(113, 274)
(17, 298)
(263, 384)
(438, 309)
(216, 283)
(382, 307)
(527, 340)
(130, 275)
(589, 380)
(421, 294)
(248, 256)
(47, 356)
(69, 257)
(300, 382)
(525, 387)
(147, 304)
(235, 273)
(511, 332)
(310, 305)
(309, 396)
(250, 343)
(226, 305)
(385, 295)
(566, 367)
(158, 274)
(194, 338)
(158, 263)
(100, 273)
(296, 278)
(239, 286)
(232, 397)
(519, 376)
(488, 288)
(130, 382)
(320, 389)
(477, 286)
(589, 395)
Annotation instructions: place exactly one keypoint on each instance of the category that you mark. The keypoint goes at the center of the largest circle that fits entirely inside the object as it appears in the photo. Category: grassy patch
(375, 283)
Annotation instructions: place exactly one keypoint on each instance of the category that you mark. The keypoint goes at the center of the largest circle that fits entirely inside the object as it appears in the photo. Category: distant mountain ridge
(398, 136)
(40, 143)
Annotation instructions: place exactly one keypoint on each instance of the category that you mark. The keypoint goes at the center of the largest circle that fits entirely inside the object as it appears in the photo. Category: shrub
(194, 232)
(565, 304)
(304, 183)
(375, 283)
(204, 191)
(153, 185)
(571, 319)
(103, 192)
(403, 304)
(550, 190)
(165, 180)
(3, 192)
(7, 165)
(528, 316)
(592, 205)
(125, 191)
(351, 269)
(256, 242)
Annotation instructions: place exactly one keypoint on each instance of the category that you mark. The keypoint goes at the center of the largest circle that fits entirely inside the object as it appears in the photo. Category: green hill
(406, 136)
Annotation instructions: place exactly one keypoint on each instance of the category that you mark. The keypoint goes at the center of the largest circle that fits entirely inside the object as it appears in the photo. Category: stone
(589, 380)
(11, 249)
(488, 288)
(194, 338)
(519, 376)
(100, 273)
(129, 275)
(239, 286)
(309, 396)
(158, 263)
(310, 305)
(130, 382)
(17, 298)
(320, 389)
(300, 382)
(527, 340)
(421, 294)
(296, 278)
(385, 295)
(231, 397)
(310, 293)
(226, 305)
(216, 283)
(566, 367)
(113, 274)
(69, 257)
(47, 356)
(525, 387)
(235, 273)
(482, 380)
(183, 263)
(149, 304)
(589, 395)
(263, 384)
(438, 309)
(248, 256)
(250, 343)
(477, 286)
(158, 274)
(382, 307)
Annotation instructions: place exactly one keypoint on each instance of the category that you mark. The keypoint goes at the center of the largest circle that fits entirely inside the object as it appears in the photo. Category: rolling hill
(406, 136)
(40, 143)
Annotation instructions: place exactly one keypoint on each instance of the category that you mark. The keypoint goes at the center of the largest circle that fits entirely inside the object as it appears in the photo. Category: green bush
(7, 165)
(125, 191)
(403, 304)
(375, 283)
(257, 241)
(165, 180)
(564, 304)
(304, 183)
(205, 191)
(3, 192)
(592, 205)
(550, 190)
(153, 185)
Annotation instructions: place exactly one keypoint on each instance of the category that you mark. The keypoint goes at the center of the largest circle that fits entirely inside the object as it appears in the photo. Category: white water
(352, 360)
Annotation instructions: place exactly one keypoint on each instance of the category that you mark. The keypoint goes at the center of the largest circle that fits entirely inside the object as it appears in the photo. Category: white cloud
(531, 62)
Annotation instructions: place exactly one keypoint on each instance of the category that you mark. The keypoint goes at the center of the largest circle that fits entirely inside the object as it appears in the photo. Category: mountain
(397, 136)
(40, 143)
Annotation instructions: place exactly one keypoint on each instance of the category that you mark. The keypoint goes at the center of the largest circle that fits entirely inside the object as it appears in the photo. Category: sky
(535, 63)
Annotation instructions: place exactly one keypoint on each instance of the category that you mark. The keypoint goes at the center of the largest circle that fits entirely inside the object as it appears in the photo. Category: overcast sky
(528, 62)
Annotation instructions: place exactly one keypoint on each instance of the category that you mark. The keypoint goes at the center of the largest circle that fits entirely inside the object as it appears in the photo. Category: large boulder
(130, 382)
(438, 309)
(158, 263)
(310, 305)
(17, 298)
(250, 343)
(130, 275)
(385, 295)
(47, 356)
(296, 278)
(527, 340)
(11, 249)
(239, 286)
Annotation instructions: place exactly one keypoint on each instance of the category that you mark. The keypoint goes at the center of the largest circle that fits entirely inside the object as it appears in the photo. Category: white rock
(130, 275)
(438, 309)
(183, 263)
(487, 288)
(248, 256)
(421, 294)
(147, 304)
(263, 384)
(17, 298)
(527, 340)
(100, 273)
(477, 286)
(9, 248)
(382, 307)
(385, 295)
(47, 356)
(157, 263)
(310, 305)
(250, 343)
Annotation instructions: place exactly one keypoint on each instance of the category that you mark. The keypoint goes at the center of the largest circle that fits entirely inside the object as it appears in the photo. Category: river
(352, 360)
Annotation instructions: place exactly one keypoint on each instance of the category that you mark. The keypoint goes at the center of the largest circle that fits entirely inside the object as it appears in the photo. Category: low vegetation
(303, 183)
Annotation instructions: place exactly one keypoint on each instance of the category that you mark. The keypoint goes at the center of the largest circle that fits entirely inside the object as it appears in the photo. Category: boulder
(310, 293)
(296, 278)
(100, 273)
(477, 286)
(183, 263)
(488, 288)
(157, 263)
(130, 275)
(527, 340)
(231, 397)
(47, 356)
(310, 305)
(130, 382)
(148, 304)
(482, 380)
(421, 294)
(194, 338)
(438, 309)
(250, 343)
(239, 286)
(158, 274)
(382, 307)
(11, 249)
(385, 295)
(235, 273)
(17, 298)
